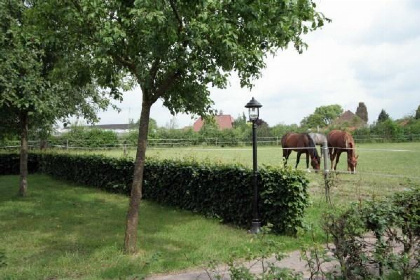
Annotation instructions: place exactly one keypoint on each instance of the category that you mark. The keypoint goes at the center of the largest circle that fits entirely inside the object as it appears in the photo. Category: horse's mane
(350, 144)
(312, 144)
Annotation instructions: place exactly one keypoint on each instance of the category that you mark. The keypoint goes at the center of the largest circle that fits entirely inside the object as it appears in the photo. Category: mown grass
(382, 169)
(65, 231)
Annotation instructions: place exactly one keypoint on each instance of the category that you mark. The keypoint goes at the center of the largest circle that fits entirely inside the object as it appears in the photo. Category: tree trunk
(130, 242)
(23, 184)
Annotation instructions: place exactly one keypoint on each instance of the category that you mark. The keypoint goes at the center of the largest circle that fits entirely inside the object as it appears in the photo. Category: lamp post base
(256, 227)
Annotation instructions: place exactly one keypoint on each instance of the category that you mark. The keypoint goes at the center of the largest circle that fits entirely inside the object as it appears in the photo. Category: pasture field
(382, 169)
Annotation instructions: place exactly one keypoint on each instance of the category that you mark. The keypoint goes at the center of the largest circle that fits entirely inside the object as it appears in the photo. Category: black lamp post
(254, 112)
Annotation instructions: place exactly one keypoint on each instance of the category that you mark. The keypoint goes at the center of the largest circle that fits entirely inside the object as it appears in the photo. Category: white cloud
(368, 53)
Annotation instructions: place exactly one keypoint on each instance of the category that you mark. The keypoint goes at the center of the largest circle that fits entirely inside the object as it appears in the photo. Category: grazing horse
(319, 139)
(338, 142)
(301, 143)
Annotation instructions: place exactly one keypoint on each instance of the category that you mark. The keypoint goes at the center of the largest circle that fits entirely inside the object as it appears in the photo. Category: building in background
(222, 122)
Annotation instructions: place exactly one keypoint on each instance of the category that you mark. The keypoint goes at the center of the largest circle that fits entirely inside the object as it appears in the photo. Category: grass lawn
(61, 230)
(65, 231)
(382, 169)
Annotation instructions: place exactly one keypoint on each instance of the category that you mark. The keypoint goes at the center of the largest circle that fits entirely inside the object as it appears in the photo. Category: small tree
(383, 116)
(417, 116)
(175, 49)
(37, 87)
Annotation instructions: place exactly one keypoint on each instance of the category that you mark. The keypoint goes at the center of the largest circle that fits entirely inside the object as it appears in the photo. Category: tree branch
(177, 16)
(153, 71)
(126, 63)
(167, 83)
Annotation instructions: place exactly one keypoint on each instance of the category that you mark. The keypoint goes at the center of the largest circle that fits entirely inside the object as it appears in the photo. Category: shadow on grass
(64, 230)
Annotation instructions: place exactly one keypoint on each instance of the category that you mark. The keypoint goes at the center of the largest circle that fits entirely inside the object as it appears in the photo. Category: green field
(382, 168)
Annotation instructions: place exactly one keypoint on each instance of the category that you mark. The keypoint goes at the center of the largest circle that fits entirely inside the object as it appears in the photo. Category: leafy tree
(240, 122)
(175, 49)
(280, 129)
(362, 112)
(263, 129)
(383, 116)
(417, 116)
(33, 92)
(323, 116)
(241, 127)
(388, 128)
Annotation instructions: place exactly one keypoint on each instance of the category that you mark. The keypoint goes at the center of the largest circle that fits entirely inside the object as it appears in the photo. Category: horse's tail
(283, 139)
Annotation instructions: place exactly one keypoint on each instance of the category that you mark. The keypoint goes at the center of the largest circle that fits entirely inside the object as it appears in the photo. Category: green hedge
(9, 164)
(220, 191)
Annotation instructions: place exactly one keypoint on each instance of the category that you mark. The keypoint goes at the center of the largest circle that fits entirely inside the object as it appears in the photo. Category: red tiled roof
(222, 121)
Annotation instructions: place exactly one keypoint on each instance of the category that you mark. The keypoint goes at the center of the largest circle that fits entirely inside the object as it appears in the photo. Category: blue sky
(369, 53)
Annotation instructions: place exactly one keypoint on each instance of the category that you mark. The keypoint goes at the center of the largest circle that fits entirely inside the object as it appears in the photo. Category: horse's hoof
(309, 171)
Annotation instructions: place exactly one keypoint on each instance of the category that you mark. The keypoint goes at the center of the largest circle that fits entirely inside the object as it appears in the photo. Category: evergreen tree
(362, 112)
(417, 116)
(383, 116)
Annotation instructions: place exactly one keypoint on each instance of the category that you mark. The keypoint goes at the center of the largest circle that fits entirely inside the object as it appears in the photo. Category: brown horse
(301, 143)
(338, 142)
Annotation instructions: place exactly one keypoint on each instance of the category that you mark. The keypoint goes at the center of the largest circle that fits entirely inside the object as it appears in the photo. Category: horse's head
(315, 162)
(352, 163)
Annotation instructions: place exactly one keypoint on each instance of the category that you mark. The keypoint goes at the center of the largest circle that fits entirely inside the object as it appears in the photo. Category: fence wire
(124, 147)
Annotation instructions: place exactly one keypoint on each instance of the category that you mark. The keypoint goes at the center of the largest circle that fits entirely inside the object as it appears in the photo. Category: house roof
(222, 121)
(350, 118)
(347, 116)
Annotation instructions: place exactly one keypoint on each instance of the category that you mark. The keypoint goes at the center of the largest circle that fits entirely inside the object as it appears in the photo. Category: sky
(369, 53)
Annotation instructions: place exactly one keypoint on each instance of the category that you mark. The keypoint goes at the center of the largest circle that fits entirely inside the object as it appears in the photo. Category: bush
(84, 137)
(110, 174)
(379, 237)
(9, 164)
(220, 191)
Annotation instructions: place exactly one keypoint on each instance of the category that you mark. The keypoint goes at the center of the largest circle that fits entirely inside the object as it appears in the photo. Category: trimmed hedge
(221, 191)
(10, 164)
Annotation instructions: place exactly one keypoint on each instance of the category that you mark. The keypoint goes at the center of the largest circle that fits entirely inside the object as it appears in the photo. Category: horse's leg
(349, 153)
(286, 154)
(338, 159)
(298, 159)
(332, 153)
(307, 160)
(284, 157)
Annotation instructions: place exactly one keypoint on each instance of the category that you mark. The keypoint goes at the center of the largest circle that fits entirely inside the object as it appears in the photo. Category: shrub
(379, 237)
(9, 164)
(221, 191)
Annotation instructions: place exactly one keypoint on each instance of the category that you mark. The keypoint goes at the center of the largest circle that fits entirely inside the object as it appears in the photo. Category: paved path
(292, 261)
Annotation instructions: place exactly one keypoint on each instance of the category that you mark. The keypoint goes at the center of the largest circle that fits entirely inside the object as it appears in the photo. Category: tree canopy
(175, 49)
(40, 82)
(323, 116)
